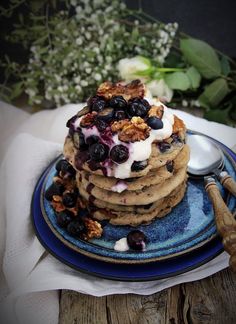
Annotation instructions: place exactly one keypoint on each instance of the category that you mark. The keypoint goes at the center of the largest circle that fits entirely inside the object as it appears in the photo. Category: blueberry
(66, 167)
(56, 189)
(106, 114)
(163, 146)
(98, 152)
(64, 218)
(136, 240)
(118, 102)
(96, 103)
(69, 199)
(59, 164)
(70, 122)
(176, 139)
(138, 165)
(99, 105)
(170, 166)
(79, 141)
(101, 125)
(120, 114)
(76, 228)
(92, 139)
(80, 159)
(119, 153)
(138, 107)
(155, 122)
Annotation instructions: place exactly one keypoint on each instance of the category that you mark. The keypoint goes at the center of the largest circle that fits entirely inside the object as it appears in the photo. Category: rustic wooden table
(209, 301)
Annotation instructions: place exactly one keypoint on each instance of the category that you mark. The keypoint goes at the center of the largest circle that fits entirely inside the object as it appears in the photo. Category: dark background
(211, 20)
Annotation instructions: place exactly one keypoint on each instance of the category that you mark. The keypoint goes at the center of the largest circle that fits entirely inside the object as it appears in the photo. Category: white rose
(160, 88)
(129, 68)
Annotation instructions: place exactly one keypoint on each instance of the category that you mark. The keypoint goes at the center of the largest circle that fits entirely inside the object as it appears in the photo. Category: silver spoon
(206, 158)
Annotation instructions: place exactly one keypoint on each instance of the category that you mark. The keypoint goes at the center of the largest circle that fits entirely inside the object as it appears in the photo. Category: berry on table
(136, 240)
(64, 218)
(76, 228)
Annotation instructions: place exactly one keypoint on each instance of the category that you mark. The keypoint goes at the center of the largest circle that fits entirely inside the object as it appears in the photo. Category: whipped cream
(121, 245)
(119, 187)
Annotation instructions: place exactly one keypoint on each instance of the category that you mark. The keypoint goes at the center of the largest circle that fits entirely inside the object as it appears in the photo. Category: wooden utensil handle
(228, 182)
(225, 222)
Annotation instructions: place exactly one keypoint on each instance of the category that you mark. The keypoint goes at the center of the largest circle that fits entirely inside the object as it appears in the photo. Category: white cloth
(31, 277)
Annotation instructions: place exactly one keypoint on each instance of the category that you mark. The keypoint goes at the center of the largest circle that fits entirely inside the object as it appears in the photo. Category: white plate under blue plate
(188, 227)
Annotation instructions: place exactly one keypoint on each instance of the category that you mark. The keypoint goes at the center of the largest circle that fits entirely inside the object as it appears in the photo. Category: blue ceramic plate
(136, 272)
(189, 226)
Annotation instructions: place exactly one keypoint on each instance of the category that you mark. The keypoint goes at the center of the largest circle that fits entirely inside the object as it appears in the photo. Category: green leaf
(225, 66)
(194, 77)
(17, 89)
(214, 93)
(202, 56)
(173, 59)
(218, 115)
(177, 81)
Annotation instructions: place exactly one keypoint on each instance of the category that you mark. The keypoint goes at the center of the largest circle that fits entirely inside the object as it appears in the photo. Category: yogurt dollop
(121, 245)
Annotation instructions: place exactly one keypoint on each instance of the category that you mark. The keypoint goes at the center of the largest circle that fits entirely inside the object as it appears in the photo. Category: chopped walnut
(88, 119)
(131, 130)
(157, 111)
(119, 125)
(179, 125)
(131, 90)
(94, 229)
(58, 206)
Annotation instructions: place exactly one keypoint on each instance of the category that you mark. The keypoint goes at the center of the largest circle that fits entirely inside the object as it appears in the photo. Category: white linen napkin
(31, 278)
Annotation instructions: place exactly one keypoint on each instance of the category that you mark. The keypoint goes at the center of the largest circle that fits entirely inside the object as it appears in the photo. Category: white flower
(184, 103)
(97, 76)
(129, 68)
(160, 88)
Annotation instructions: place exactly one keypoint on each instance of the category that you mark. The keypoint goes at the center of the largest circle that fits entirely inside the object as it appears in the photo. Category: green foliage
(214, 93)
(178, 81)
(71, 46)
(202, 56)
(72, 50)
(194, 77)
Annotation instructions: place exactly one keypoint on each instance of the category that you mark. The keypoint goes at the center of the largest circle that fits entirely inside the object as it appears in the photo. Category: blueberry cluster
(117, 108)
(74, 224)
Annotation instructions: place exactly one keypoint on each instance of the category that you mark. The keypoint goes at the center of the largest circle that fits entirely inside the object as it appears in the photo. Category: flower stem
(170, 69)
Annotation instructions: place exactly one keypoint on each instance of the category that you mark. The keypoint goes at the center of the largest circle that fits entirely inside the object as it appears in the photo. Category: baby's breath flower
(85, 48)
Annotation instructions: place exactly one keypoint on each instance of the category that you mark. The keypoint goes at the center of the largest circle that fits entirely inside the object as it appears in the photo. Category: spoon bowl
(205, 156)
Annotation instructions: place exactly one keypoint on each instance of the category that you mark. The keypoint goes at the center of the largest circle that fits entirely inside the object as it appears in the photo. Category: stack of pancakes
(148, 192)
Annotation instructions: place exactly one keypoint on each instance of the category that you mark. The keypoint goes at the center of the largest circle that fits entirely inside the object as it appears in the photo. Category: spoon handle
(228, 182)
(225, 222)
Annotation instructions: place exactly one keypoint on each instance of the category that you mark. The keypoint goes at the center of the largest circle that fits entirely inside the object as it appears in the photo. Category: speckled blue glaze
(189, 225)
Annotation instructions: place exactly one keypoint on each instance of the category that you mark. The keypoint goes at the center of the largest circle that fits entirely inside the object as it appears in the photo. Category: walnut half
(131, 130)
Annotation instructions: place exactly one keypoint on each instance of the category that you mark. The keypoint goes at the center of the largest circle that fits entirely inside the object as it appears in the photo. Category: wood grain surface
(209, 301)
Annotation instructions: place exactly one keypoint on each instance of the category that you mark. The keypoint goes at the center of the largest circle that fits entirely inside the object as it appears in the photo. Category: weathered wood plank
(76, 308)
(208, 301)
